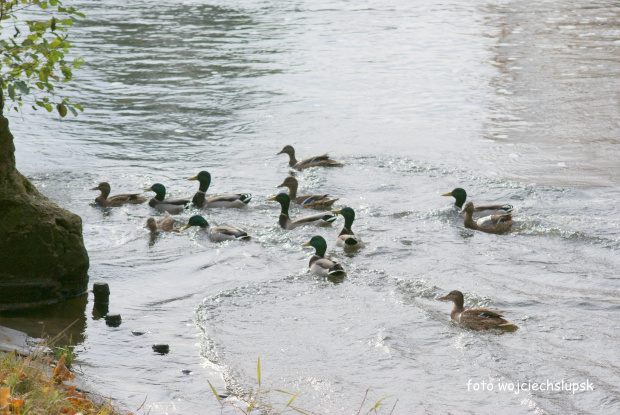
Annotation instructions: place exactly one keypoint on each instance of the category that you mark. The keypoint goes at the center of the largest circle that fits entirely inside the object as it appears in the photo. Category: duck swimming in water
(320, 219)
(227, 200)
(322, 160)
(308, 201)
(162, 204)
(460, 196)
(165, 224)
(217, 233)
(321, 264)
(346, 238)
(104, 199)
(476, 318)
(496, 224)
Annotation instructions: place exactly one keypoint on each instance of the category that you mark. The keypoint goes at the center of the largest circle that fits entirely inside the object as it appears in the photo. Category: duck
(346, 238)
(162, 204)
(217, 233)
(460, 196)
(165, 224)
(322, 160)
(476, 318)
(104, 198)
(320, 219)
(228, 200)
(497, 224)
(307, 201)
(321, 264)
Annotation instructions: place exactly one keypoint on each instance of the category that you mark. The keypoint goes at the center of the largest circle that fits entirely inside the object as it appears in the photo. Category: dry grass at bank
(34, 385)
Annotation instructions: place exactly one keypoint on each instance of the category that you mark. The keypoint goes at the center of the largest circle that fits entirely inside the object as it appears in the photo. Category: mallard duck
(322, 160)
(347, 238)
(497, 224)
(162, 204)
(476, 318)
(320, 219)
(307, 201)
(165, 224)
(118, 200)
(218, 233)
(460, 195)
(319, 263)
(228, 200)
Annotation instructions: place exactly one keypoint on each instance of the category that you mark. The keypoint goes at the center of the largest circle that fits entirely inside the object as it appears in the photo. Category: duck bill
(336, 211)
(447, 194)
(306, 244)
(272, 199)
(95, 188)
(282, 185)
(147, 189)
(444, 298)
(186, 226)
(193, 178)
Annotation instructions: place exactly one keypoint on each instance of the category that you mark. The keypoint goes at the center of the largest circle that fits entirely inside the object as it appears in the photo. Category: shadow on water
(64, 320)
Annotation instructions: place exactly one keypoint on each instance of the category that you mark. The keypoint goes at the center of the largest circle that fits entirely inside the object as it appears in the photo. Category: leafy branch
(34, 60)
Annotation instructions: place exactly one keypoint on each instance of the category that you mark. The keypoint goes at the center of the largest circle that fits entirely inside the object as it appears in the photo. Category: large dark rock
(42, 254)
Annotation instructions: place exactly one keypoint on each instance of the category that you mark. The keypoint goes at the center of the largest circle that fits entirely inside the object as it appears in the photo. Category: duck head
(348, 214)
(197, 220)
(318, 243)
(204, 178)
(159, 189)
(459, 194)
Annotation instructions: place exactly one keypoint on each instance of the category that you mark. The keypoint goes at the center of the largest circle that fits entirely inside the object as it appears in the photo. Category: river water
(517, 102)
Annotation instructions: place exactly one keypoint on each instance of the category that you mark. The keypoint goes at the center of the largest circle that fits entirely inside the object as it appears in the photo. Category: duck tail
(337, 271)
(246, 197)
(350, 241)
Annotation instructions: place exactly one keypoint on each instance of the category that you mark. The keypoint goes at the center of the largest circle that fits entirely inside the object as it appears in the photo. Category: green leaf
(62, 110)
(23, 88)
(215, 393)
(79, 107)
(258, 372)
(12, 92)
(53, 2)
(73, 111)
(48, 107)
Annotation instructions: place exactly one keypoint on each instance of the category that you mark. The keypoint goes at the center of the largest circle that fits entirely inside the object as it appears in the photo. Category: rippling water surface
(516, 102)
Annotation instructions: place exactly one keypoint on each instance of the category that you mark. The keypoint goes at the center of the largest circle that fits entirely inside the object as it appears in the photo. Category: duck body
(323, 265)
(312, 201)
(104, 199)
(322, 160)
(227, 200)
(460, 196)
(218, 233)
(476, 318)
(166, 224)
(159, 202)
(347, 239)
(320, 219)
(496, 224)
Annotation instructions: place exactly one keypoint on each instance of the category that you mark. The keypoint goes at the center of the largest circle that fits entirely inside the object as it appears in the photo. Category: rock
(42, 255)
(113, 320)
(161, 349)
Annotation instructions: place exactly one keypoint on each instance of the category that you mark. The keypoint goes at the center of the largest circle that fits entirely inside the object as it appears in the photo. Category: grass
(259, 401)
(34, 385)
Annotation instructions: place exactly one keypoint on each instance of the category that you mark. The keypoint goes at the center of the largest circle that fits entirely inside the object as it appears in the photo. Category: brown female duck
(307, 201)
(476, 318)
(322, 160)
(497, 224)
(166, 224)
(104, 198)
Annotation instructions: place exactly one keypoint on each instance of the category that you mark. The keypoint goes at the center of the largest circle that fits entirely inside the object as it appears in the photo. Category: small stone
(161, 348)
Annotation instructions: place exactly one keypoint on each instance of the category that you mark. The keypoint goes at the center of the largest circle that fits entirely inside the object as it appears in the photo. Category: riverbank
(34, 384)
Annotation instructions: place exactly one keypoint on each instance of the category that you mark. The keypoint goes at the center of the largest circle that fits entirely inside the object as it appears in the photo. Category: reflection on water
(504, 99)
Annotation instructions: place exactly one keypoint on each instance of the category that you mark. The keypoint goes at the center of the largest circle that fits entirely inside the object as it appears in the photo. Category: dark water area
(517, 102)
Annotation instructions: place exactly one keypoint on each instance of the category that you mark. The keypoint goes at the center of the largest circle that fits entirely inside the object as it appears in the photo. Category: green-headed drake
(476, 318)
(346, 238)
(320, 219)
(162, 204)
(321, 264)
(322, 160)
(227, 200)
(218, 233)
(460, 196)
(307, 201)
(497, 224)
(104, 199)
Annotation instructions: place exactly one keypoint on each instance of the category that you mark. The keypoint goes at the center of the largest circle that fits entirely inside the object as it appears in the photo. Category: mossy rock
(42, 255)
